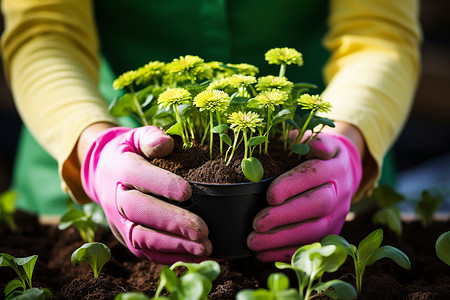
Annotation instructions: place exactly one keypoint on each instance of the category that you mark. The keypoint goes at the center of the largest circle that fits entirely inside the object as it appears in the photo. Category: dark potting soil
(429, 278)
(195, 164)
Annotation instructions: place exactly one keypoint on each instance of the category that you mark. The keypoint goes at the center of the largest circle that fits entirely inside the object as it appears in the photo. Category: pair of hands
(304, 204)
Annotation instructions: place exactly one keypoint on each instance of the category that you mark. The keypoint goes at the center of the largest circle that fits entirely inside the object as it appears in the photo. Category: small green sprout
(95, 254)
(24, 268)
(368, 252)
(443, 247)
(194, 284)
(7, 208)
(81, 221)
(132, 296)
(310, 262)
(388, 214)
(428, 204)
(278, 284)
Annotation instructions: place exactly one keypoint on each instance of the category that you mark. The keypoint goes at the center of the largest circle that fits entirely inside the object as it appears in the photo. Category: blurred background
(422, 152)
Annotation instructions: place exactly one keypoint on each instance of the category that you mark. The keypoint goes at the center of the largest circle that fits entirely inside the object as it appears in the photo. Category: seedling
(310, 262)
(95, 254)
(82, 221)
(7, 208)
(194, 284)
(194, 99)
(278, 284)
(367, 253)
(131, 296)
(388, 214)
(24, 268)
(428, 204)
(443, 247)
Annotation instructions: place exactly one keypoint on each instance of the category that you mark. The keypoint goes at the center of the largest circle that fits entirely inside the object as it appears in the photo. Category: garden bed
(429, 278)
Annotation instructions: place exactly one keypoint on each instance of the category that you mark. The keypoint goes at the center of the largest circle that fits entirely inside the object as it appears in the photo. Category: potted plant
(228, 120)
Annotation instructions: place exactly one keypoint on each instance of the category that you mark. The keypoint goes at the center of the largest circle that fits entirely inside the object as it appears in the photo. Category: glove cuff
(353, 154)
(90, 162)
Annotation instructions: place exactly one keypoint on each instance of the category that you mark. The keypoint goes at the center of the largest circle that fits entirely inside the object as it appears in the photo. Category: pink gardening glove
(308, 202)
(116, 175)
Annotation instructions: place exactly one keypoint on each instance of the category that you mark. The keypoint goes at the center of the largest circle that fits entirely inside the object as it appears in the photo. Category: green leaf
(338, 241)
(341, 289)
(195, 286)
(13, 285)
(95, 254)
(293, 123)
(259, 294)
(300, 149)
(175, 129)
(278, 282)
(122, 106)
(390, 252)
(131, 296)
(429, 202)
(27, 264)
(220, 128)
(167, 279)
(390, 217)
(298, 85)
(208, 268)
(256, 140)
(226, 139)
(443, 247)
(72, 216)
(7, 208)
(252, 169)
(386, 196)
(31, 294)
(238, 100)
(370, 243)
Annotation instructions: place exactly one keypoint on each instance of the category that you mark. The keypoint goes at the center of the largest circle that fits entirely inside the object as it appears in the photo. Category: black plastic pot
(228, 210)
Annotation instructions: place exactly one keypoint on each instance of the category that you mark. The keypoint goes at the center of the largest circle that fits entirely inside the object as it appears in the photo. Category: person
(61, 57)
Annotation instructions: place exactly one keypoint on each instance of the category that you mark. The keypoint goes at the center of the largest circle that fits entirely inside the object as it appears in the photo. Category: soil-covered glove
(308, 202)
(117, 175)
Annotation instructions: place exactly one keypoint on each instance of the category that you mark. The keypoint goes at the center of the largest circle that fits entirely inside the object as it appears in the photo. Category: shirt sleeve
(373, 72)
(50, 52)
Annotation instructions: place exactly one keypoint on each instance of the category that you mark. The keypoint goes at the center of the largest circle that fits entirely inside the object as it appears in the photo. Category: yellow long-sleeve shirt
(50, 50)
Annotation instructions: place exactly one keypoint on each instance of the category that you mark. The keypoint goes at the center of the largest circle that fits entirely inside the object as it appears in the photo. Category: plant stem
(269, 120)
(138, 106)
(244, 132)
(236, 137)
(211, 136)
(178, 118)
(219, 123)
(302, 132)
(282, 70)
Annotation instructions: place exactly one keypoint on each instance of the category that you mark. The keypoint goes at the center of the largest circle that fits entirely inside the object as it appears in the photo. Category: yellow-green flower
(239, 80)
(284, 55)
(126, 79)
(149, 71)
(241, 120)
(175, 96)
(212, 100)
(219, 84)
(314, 102)
(245, 69)
(185, 63)
(274, 82)
(270, 98)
